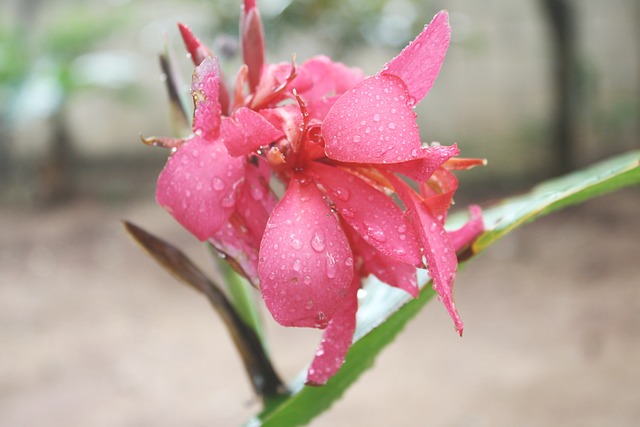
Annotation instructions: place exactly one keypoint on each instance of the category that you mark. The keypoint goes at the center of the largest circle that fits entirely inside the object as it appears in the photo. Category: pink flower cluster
(336, 142)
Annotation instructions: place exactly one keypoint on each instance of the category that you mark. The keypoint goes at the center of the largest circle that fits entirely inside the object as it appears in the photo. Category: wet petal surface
(198, 185)
(246, 131)
(336, 340)
(305, 263)
(371, 213)
(419, 63)
(372, 123)
(205, 89)
(439, 252)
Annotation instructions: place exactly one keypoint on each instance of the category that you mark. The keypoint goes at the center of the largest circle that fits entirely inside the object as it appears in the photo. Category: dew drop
(217, 183)
(347, 213)
(332, 268)
(414, 152)
(357, 138)
(343, 194)
(317, 240)
(228, 201)
(376, 117)
(376, 234)
(296, 244)
(402, 228)
(297, 265)
(307, 280)
(391, 125)
(309, 304)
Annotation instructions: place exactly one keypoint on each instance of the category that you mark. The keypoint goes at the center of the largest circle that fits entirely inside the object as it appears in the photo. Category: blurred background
(93, 333)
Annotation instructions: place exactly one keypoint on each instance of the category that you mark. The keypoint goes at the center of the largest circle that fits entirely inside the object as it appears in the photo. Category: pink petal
(320, 80)
(336, 340)
(205, 90)
(373, 214)
(372, 123)
(305, 263)
(468, 232)
(196, 49)
(388, 270)
(198, 185)
(254, 203)
(253, 44)
(246, 131)
(438, 192)
(438, 249)
(238, 244)
(431, 158)
(419, 63)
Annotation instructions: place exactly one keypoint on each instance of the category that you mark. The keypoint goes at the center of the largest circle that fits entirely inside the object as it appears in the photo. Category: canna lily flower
(337, 141)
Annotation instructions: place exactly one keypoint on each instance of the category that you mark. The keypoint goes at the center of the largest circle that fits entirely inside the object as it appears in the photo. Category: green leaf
(386, 310)
(550, 196)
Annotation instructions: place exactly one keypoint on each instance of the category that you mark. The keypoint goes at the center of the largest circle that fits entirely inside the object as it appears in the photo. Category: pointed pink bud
(246, 131)
(373, 214)
(253, 45)
(198, 185)
(305, 264)
(419, 63)
(373, 123)
(196, 49)
(336, 340)
(431, 158)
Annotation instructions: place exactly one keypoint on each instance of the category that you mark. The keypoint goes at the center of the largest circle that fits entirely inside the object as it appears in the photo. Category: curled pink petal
(438, 249)
(431, 158)
(305, 263)
(419, 63)
(469, 231)
(373, 214)
(388, 270)
(438, 192)
(246, 131)
(198, 186)
(336, 340)
(372, 123)
(205, 90)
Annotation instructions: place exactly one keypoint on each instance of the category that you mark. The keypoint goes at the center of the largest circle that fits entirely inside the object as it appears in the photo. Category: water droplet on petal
(307, 280)
(309, 304)
(377, 234)
(297, 265)
(356, 138)
(217, 183)
(402, 228)
(332, 268)
(296, 244)
(376, 117)
(317, 241)
(391, 125)
(343, 194)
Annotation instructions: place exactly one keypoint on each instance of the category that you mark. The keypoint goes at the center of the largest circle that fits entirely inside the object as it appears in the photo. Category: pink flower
(337, 141)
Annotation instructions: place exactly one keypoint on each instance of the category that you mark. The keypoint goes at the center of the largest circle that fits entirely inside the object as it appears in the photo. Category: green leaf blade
(381, 318)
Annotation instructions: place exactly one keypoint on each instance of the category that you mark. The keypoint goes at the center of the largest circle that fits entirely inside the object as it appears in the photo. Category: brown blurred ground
(94, 334)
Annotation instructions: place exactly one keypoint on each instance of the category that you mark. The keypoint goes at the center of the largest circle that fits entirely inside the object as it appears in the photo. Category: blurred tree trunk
(562, 23)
